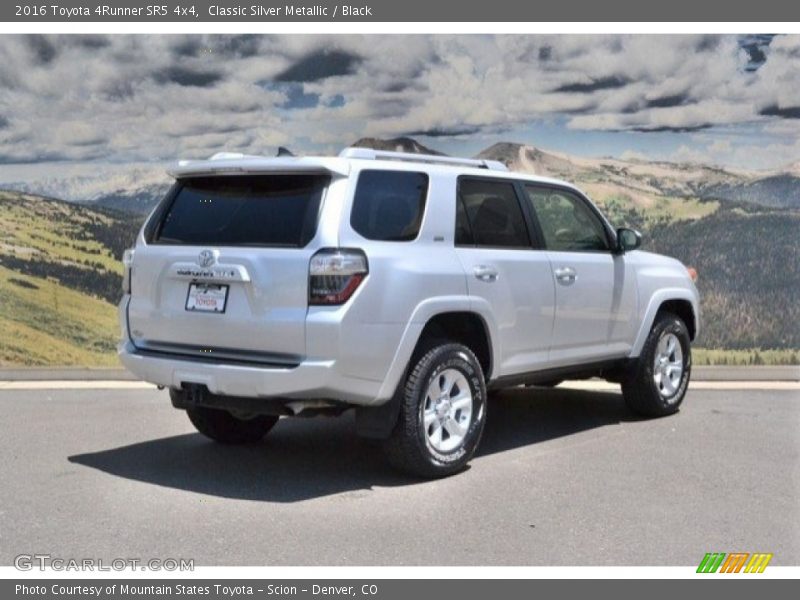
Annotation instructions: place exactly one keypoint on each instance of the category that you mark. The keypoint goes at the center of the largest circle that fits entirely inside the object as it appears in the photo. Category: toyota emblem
(206, 258)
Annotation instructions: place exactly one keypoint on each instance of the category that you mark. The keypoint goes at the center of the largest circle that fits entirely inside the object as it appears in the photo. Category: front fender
(656, 300)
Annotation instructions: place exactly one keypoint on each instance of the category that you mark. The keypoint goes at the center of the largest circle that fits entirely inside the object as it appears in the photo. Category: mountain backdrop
(740, 230)
(60, 272)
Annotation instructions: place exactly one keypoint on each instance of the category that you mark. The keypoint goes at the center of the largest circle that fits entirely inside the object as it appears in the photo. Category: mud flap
(377, 422)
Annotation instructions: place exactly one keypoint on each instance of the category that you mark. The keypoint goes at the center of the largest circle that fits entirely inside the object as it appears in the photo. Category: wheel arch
(453, 322)
(465, 327)
(682, 302)
(683, 309)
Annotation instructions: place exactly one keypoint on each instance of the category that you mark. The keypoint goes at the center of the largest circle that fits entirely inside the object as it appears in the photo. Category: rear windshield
(253, 210)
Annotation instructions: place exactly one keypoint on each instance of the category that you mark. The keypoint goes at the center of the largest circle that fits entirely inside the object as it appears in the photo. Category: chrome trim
(219, 272)
(215, 355)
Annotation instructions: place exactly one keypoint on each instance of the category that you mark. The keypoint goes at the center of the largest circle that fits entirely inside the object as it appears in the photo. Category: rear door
(224, 270)
(505, 270)
(595, 287)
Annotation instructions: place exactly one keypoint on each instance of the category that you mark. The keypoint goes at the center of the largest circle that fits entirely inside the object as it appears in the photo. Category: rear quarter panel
(408, 283)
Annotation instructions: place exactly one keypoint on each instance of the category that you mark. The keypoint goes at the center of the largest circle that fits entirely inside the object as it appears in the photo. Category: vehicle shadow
(308, 458)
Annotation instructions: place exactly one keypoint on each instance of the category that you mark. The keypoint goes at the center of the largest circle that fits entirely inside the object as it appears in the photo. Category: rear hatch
(223, 274)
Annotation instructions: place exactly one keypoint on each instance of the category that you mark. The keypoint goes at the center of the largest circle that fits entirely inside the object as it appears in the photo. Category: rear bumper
(310, 380)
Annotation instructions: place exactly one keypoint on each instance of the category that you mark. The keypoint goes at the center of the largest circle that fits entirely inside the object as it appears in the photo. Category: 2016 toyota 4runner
(403, 286)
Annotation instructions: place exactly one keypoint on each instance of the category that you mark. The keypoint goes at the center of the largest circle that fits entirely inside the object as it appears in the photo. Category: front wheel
(658, 383)
(442, 413)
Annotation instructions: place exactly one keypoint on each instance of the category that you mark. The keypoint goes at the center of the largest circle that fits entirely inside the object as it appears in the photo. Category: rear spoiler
(228, 163)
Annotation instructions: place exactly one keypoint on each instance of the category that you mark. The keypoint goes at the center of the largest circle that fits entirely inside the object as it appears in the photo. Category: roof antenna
(284, 151)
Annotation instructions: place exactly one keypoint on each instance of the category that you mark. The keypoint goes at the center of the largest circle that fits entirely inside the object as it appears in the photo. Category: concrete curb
(760, 373)
(66, 374)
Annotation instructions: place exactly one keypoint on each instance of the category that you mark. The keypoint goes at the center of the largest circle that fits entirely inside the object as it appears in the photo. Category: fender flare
(656, 300)
(423, 313)
(378, 419)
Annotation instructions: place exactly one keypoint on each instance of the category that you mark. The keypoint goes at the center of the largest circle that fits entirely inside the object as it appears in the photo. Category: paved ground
(699, 373)
(564, 477)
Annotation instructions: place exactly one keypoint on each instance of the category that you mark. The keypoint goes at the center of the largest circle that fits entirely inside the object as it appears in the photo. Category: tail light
(334, 274)
(127, 270)
(692, 273)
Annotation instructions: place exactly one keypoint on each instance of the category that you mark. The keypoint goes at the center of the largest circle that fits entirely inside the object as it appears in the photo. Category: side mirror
(628, 239)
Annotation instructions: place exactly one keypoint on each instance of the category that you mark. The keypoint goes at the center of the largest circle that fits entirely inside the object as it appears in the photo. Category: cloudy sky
(86, 100)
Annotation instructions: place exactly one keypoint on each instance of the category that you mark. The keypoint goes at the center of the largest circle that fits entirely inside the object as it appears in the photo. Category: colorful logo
(735, 562)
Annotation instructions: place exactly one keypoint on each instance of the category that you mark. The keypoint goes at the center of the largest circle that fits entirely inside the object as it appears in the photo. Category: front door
(594, 286)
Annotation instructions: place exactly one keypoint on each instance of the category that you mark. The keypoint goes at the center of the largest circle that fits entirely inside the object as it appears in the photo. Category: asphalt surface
(563, 477)
(699, 373)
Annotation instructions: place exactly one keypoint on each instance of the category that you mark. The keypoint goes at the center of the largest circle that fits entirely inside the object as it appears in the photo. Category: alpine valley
(62, 237)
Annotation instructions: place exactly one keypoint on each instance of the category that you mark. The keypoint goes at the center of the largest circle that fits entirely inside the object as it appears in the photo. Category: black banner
(379, 589)
(396, 11)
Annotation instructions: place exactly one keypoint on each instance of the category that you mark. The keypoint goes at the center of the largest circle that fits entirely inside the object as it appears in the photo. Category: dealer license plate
(207, 297)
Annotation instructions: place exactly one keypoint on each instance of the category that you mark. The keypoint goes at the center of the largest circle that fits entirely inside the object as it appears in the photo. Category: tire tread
(637, 388)
(401, 448)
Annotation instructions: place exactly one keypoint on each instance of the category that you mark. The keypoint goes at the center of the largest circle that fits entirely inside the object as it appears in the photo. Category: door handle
(485, 273)
(565, 275)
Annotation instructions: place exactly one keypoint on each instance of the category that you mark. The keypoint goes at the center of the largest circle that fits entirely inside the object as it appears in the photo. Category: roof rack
(370, 154)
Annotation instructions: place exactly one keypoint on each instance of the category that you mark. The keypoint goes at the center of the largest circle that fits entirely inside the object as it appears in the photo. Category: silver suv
(403, 286)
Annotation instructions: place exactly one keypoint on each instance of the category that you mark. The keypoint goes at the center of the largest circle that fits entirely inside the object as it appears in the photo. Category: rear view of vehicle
(191, 298)
(404, 287)
(250, 296)
(218, 287)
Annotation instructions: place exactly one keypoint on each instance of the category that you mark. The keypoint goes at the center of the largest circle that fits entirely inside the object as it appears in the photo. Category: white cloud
(130, 98)
(632, 155)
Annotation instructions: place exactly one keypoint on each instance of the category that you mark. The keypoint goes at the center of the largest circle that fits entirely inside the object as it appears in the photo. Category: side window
(463, 228)
(567, 223)
(388, 205)
(489, 214)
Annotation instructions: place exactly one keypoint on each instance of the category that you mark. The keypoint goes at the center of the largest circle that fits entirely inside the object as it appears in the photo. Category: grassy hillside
(45, 323)
(59, 279)
(79, 246)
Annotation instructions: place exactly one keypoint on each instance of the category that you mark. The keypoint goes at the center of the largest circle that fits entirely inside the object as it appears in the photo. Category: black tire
(409, 448)
(641, 392)
(221, 426)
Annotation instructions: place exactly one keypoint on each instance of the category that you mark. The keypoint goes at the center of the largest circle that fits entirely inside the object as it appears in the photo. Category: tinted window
(566, 220)
(274, 210)
(388, 205)
(463, 228)
(490, 215)
(154, 221)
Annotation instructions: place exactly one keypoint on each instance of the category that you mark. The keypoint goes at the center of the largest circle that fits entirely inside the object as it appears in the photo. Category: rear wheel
(442, 413)
(221, 426)
(660, 378)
